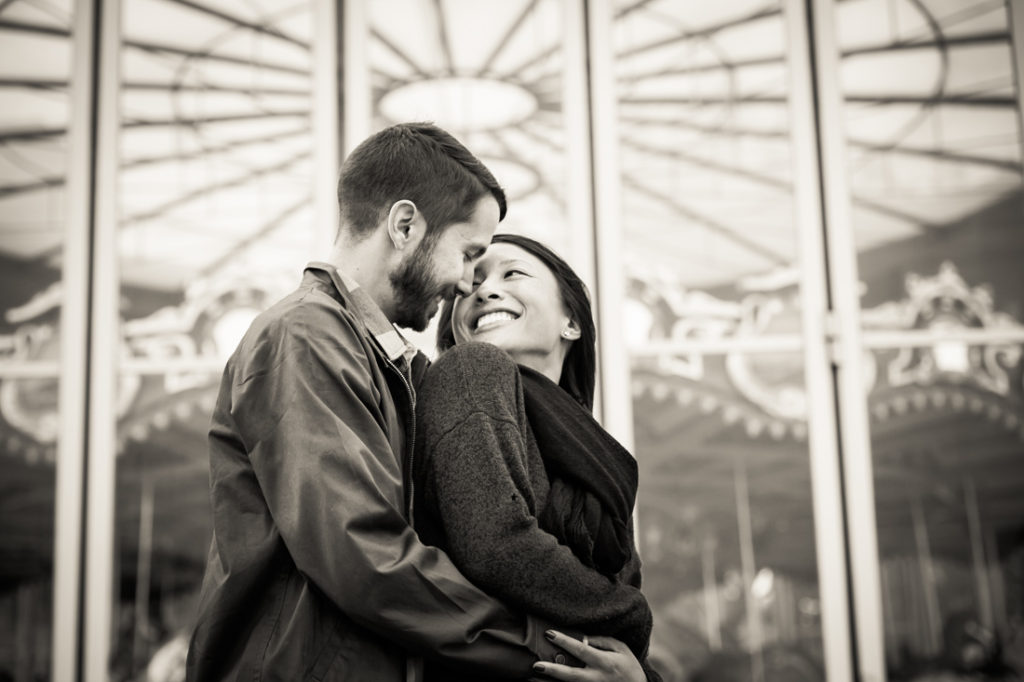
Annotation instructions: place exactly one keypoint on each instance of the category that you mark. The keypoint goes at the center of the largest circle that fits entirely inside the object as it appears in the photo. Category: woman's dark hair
(580, 366)
(419, 162)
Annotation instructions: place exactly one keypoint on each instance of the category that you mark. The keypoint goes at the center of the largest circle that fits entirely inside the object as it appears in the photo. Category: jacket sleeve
(494, 537)
(306, 407)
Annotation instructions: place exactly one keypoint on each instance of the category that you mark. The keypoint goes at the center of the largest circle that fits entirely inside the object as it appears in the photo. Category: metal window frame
(103, 353)
(326, 131)
(822, 438)
(606, 187)
(851, 394)
(71, 396)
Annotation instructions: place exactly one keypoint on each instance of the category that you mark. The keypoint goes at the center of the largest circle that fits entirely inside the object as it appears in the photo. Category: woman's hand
(606, 660)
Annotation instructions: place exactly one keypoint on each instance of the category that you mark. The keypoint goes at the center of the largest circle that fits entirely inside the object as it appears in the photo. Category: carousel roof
(216, 147)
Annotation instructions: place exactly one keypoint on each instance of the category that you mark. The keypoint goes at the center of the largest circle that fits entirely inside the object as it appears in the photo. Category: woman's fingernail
(550, 634)
(538, 667)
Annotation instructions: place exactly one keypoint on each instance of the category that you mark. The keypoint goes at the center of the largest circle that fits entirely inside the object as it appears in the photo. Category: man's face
(441, 267)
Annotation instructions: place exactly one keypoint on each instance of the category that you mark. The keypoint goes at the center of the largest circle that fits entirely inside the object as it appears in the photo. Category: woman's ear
(401, 224)
(571, 331)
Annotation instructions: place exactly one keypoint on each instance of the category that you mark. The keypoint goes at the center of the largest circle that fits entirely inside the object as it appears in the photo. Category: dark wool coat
(480, 485)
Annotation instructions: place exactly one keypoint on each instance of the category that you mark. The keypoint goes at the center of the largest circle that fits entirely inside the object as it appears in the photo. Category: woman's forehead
(502, 253)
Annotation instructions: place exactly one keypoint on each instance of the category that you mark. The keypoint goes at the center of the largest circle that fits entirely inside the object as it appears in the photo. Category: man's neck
(367, 261)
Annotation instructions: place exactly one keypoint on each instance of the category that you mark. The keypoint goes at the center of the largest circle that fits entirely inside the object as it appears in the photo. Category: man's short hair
(419, 162)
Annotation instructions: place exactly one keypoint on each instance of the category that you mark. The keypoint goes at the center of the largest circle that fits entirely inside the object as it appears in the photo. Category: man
(314, 571)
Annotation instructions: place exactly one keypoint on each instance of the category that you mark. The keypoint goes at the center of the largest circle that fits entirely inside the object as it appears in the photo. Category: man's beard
(416, 291)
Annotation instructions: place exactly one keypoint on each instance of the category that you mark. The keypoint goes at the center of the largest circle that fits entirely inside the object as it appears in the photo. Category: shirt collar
(391, 341)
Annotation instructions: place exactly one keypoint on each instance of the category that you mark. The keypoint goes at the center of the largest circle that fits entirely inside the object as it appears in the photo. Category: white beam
(855, 435)
(326, 125)
(104, 343)
(822, 440)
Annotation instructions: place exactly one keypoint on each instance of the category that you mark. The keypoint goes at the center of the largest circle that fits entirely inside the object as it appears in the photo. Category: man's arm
(308, 413)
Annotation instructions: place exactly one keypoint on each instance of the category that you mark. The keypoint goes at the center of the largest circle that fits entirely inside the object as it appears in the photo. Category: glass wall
(719, 247)
(711, 258)
(34, 117)
(215, 204)
(931, 121)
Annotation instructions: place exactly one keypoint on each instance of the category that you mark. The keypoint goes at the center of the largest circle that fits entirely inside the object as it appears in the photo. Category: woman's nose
(486, 291)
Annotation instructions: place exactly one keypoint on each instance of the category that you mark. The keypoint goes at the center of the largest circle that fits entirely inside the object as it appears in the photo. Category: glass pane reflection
(216, 223)
(931, 119)
(726, 520)
(34, 114)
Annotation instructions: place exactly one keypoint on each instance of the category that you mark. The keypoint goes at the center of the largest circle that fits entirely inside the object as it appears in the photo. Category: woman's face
(515, 305)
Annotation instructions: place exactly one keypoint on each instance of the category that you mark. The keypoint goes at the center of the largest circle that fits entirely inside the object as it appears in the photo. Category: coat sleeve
(307, 410)
(495, 539)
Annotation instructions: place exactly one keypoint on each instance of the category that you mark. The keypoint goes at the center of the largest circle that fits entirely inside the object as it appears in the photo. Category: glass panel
(710, 240)
(705, 154)
(216, 224)
(34, 113)
(163, 528)
(726, 521)
(932, 125)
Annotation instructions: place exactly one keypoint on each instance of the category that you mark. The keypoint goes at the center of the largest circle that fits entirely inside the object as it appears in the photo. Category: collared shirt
(391, 341)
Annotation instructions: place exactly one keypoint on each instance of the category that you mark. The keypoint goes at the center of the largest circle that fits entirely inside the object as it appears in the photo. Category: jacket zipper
(411, 444)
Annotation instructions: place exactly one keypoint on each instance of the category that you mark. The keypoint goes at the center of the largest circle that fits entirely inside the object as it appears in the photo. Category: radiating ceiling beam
(719, 228)
(164, 86)
(731, 131)
(725, 131)
(162, 48)
(705, 68)
(629, 9)
(242, 23)
(398, 52)
(703, 162)
(34, 83)
(25, 134)
(205, 190)
(997, 101)
(11, 25)
(22, 188)
(991, 38)
(536, 59)
(13, 135)
(265, 230)
(212, 87)
(764, 13)
(506, 37)
(444, 42)
(206, 120)
(204, 153)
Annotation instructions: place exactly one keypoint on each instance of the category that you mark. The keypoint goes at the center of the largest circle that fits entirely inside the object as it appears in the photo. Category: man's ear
(402, 228)
(571, 331)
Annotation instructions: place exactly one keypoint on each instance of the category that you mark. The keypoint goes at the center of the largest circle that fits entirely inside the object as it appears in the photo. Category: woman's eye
(510, 273)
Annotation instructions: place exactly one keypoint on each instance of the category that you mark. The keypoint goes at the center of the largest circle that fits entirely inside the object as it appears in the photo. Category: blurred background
(801, 222)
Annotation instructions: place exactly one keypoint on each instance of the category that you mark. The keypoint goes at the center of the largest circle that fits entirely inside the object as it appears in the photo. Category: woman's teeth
(494, 318)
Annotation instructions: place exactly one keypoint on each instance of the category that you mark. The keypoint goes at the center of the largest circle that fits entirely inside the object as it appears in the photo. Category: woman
(513, 477)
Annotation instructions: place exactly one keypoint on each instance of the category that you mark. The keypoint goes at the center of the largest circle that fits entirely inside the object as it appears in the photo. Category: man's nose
(465, 284)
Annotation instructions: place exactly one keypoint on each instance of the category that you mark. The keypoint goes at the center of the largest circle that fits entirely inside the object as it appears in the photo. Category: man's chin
(422, 318)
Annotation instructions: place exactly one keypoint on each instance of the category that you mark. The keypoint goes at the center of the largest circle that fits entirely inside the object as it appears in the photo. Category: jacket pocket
(326, 656)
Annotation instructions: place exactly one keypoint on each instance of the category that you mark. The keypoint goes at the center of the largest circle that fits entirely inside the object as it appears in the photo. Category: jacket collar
(390, 340)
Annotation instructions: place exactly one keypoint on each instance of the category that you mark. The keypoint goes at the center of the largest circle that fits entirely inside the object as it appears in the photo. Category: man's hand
(605, 660)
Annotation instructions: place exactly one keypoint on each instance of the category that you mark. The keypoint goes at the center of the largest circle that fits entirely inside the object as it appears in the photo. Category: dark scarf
(593, 478)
